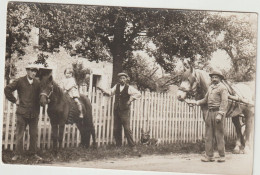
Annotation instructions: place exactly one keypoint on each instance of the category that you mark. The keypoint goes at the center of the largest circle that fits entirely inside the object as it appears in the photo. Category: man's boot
(221, 159)
(207, 159)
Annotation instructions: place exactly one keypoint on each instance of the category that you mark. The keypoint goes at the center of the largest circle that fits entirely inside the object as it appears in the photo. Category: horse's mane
(57, 88)
(186, 76)
(203, 77)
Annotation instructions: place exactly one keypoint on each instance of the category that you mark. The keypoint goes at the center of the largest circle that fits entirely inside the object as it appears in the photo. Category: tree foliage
(19, 21)
(141, 73)
(80, 73)
(97, 33)
(101, 33)
(239, 42)
(179, 34)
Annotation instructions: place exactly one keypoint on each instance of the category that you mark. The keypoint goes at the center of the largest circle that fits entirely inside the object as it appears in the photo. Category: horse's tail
(88, 107)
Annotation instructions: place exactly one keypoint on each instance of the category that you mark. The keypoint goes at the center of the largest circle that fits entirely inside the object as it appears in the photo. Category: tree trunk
(117, 67)
(118, 49)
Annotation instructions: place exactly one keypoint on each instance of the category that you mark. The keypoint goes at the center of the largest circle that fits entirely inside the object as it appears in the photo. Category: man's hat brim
(122, 74)
(32, 67)
(221, 76)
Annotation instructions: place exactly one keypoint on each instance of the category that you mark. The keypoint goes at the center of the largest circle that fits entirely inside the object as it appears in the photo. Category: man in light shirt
(124, 95)
(217, 100)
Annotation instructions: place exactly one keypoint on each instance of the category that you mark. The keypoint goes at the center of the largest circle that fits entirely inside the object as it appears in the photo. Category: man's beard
(215, 82)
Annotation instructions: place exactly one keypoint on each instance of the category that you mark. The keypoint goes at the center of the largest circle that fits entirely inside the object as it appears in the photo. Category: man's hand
(218, 118)
(99, 88)
(17, 102)
(130, 101)
(194, 102)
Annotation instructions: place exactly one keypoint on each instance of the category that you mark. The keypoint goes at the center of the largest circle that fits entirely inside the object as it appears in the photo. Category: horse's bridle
(47, 95)
(191, 92)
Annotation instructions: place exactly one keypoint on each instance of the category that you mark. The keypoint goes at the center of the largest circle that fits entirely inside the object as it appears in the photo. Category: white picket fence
(167, 118)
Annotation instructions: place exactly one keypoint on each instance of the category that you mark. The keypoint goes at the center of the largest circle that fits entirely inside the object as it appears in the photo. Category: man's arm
(198, 102)
(109, 92)
(134, 94)
(9, 89)
(204, 100)
(224, 101)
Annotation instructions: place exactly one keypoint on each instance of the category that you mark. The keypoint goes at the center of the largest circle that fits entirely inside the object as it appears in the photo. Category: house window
(96, 80)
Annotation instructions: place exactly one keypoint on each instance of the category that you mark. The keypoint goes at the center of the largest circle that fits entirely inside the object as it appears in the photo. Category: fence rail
(167, 118)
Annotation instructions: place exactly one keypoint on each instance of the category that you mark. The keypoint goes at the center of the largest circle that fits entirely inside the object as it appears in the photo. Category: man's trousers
(21, 124)
(214, 131)
(122, 118)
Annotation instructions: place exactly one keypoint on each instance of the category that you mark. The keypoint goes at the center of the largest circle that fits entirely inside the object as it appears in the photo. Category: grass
(106, 152)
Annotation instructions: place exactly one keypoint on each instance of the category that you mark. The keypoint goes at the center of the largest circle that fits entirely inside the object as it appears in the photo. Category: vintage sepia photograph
(129, 88)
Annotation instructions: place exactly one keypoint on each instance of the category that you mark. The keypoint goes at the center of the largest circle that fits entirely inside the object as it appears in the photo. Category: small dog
(146, 140)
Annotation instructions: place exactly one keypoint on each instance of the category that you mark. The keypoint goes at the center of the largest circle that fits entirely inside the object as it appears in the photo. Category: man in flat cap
(124, 95)
(217, 100)
(28, 108)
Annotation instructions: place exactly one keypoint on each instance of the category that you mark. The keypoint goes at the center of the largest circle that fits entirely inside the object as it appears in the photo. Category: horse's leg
(87, 136)
(248, 131)
(82, 133)
(88, 122)
(239, 137)
(54, 136)
(61, 132)
(93, 135)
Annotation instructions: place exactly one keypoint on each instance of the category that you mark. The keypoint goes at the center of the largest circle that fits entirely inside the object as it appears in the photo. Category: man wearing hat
(124, 95)
(27, 113)
(217, 100)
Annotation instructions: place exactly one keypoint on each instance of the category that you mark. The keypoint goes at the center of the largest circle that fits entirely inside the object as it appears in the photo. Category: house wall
(61, 60)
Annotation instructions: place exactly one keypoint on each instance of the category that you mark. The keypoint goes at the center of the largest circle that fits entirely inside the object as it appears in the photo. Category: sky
(220, 60)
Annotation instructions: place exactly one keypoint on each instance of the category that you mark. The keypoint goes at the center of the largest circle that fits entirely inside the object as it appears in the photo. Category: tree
(181, 34)
(19, 20)
(112, 33)
(80, 73)
(239, 42)
(141, 73)
(97, 33)
(197, 34)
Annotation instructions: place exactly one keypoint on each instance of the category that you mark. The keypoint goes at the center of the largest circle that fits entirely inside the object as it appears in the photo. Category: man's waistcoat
(121, 98)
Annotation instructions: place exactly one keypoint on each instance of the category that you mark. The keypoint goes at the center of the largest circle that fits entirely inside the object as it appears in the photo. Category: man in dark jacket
(124, 95)
(217, 100)
(27, 113)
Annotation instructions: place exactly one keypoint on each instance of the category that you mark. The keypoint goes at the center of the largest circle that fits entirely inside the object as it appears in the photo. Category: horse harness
(47, 95)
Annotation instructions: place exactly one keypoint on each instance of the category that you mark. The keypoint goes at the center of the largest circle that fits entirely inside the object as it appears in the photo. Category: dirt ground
(236, 164)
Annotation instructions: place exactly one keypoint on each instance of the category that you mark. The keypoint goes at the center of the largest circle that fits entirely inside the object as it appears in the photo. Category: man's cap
(122, 74)
(32, 66)
(218, 73)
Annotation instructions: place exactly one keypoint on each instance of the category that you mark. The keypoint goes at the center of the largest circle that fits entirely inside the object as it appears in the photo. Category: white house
(101, 73)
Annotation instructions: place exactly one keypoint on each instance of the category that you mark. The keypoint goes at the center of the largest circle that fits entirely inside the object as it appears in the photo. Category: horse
(60, 108)
(195, 83)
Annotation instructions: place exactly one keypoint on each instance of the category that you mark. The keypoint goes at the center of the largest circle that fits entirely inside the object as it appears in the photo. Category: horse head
(46, 90)
(188, 86)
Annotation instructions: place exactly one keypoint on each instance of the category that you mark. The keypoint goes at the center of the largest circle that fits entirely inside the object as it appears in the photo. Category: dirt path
(185, 163)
